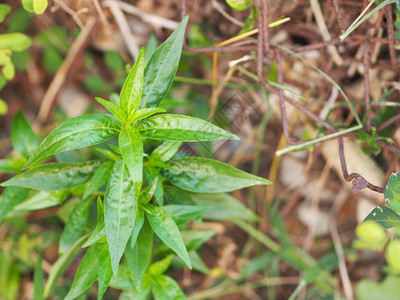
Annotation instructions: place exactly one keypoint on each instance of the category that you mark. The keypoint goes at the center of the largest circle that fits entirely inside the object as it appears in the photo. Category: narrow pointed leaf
(165, 288)
(195, 238)
(131, 146)
(105, 273)
(41, 200)
(61, 265)
(173, 127)
(99, 178)
(55, 176)
(166, 150)
(23, 139)
(167, 230)
(11, 165)
(99, 231)
(148, 193)
(75, 226)
(83, 131)
(145, 113)
(38, 279)
(185, 213)
(131, 92)
(151, 175)
(198, 263)
(223, 207)
(10, 198)
(204, 175)
(112, 108)
(120, 212)
(162, 66)
(138, 257)
(138, 226)
(161, 266)
(88, 270)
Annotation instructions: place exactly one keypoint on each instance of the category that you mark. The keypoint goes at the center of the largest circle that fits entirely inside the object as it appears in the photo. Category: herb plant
(139, 173)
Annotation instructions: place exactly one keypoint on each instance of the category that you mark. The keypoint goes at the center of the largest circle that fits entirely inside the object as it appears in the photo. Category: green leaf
(38, 279)
(198, 263)
(151, 46)
(41, 200)
(39, 6)
(99, 178)
(112, 108)
(392, 256)
(161, 69)
(120, 212)
(115, 149)
(392, 192)
(99, 230)
(86, 130)
(88, 270)
(388, 289)
(152, 175)
(131, 92)
(204, 175)
(54, 176)
(138, 226)
(165, 288)
(96, 84)
(185, 213)
(166, 150)
(4, 11)
(3, 104)
(131, 146)
(52, 59)
(161, 266)
(144, 113)
(166, 229)
(139, 256)
(173, 127)
(75, 226)
(371, 236)
(61, 265)
(223, 207)
(11, 165)
(104, 271)
(19, 20)
(114, 61)
(195, 238)
(385, 216)
(20, 60)
(14, 41)
(23, 139)
(239, 4)
(28, 5)
(10, 198)
(148, 193)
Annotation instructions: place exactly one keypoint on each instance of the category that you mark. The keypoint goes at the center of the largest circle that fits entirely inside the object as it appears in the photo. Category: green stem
(317, 140)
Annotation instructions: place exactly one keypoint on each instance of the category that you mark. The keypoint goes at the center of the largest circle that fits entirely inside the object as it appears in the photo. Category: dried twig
(319, 17)
(154, 20)
(123, 25)
(344, 275)
(221, 10)
(60, 78)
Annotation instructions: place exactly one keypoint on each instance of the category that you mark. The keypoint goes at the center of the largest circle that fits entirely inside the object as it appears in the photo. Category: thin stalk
(317, 140)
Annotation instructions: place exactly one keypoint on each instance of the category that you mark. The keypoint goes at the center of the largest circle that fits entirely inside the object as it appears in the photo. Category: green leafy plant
(10, 43)
(36, 6)
(137, 233)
